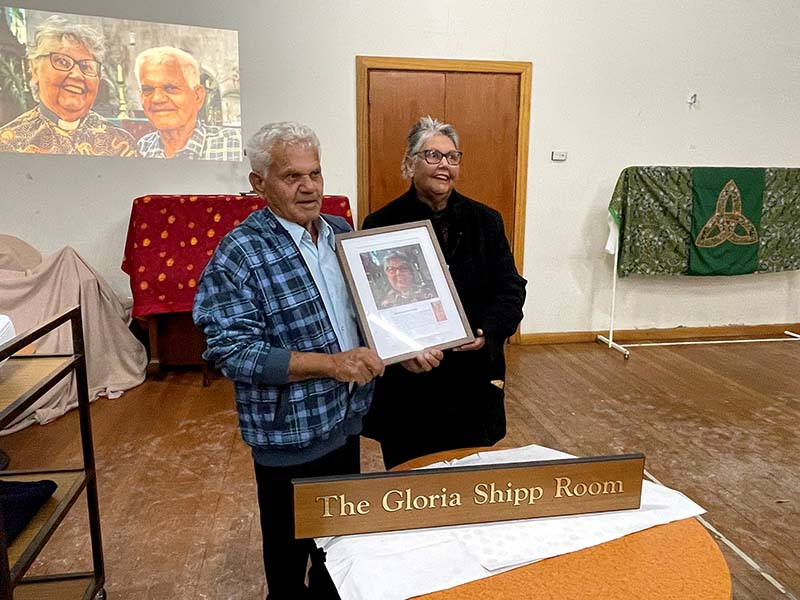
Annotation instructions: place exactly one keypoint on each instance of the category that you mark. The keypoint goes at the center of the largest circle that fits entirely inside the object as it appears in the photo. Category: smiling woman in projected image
(65, 62)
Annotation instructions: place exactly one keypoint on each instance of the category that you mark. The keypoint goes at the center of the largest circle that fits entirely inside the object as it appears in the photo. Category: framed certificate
(402, 290)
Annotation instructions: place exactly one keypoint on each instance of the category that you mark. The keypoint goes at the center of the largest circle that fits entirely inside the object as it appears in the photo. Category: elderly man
(172, 96)
(279, 322)
(65, 61)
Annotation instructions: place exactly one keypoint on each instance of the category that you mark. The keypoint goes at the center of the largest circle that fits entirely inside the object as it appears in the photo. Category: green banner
(726, 219)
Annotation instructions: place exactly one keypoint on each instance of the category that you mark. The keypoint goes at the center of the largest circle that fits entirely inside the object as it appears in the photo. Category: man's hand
(360, 365)
(475, 344)
(424, 361)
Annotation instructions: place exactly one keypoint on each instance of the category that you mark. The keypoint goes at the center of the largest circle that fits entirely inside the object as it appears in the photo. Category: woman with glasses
(65, 62)
(405, 282)
(460, 403)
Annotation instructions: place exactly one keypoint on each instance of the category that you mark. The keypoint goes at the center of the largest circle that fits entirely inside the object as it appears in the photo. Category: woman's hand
(423, 362)
(475, 344)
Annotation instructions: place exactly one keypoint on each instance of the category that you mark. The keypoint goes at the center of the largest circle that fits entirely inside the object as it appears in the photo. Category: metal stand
(609, 341)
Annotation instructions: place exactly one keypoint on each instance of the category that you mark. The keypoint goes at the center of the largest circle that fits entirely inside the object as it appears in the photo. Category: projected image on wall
(96, 86)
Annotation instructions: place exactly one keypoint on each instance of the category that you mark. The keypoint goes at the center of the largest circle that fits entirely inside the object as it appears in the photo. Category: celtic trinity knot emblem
(725, 225)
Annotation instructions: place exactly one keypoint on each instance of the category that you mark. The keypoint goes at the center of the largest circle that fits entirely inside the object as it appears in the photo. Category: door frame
(365, 64)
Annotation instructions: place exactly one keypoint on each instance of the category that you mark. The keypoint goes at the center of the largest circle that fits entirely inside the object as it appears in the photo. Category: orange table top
(676, 561)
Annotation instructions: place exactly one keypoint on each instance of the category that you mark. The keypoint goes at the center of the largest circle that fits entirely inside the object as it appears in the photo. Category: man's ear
(257, 183)
(200, 95)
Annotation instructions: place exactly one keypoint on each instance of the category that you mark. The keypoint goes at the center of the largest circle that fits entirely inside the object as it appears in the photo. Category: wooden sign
(372, 502)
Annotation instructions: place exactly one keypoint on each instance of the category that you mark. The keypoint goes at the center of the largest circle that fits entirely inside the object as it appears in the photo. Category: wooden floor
(178, 510)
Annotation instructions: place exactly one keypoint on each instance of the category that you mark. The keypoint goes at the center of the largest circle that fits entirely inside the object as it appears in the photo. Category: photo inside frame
(99, 86)
(405, 299)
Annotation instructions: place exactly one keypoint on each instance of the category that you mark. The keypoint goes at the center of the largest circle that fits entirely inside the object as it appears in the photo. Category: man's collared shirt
(256, 303)
(208, 142)
(324, 267)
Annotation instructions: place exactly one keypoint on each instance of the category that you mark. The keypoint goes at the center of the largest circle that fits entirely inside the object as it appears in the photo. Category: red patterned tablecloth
(171, 238)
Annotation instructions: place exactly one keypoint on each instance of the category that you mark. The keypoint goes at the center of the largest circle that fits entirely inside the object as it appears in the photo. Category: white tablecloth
(398, 565)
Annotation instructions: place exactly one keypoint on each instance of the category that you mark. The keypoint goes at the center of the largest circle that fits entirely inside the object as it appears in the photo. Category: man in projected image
(172, 97)
(65, 61)
(404, 281)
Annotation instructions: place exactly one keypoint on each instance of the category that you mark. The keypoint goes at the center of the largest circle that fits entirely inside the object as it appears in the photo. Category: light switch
(558, 156)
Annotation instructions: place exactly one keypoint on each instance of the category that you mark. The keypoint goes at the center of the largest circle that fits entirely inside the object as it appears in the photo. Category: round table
(676, 561)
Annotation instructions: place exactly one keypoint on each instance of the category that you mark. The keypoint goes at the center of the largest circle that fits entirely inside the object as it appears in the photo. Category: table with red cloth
(170, 240)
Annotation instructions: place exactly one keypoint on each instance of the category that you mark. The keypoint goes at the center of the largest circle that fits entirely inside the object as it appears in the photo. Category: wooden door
(487, 102)
(399, 98)
(483, 107)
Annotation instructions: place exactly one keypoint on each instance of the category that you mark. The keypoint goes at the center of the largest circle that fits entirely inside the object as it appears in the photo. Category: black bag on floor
(20, 501)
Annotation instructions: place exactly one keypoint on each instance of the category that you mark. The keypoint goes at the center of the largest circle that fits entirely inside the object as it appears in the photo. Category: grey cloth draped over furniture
(32, 291)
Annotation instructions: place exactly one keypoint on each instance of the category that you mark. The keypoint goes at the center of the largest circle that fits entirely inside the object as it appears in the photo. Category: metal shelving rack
(23, 380)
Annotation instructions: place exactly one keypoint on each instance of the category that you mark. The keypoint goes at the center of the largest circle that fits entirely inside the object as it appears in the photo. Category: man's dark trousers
(285, 558)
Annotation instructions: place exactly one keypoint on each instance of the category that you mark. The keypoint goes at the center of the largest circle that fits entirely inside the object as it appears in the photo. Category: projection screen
(97, 86)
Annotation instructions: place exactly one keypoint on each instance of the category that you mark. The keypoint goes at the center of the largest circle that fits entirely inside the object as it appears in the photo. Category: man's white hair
(288, 133)
(162, 54)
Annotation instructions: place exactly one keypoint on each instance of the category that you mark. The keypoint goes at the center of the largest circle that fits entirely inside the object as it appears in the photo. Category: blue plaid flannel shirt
(208, 142)
(256, 303)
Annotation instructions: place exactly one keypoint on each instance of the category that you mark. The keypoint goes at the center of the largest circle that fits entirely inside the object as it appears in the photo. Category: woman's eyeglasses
(396, 270)
(434, 157)
(62, 62)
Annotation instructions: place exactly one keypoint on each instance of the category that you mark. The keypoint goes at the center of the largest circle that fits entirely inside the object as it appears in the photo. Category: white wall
(610, 81)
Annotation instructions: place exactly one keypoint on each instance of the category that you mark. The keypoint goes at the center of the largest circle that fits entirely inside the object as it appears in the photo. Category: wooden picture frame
(402, 290)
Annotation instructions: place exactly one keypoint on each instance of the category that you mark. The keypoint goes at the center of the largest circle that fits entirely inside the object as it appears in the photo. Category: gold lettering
(398, 503)
(480, 494)
(562, 484)
(497, 495)
(346, 508)
(487, 493)
(395, 500)
(327, 503)
(531, 495)
(565, 486)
